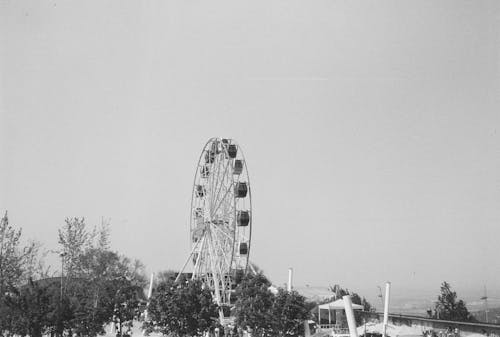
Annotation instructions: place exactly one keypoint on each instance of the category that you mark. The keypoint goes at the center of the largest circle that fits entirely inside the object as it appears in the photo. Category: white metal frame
(215, 237)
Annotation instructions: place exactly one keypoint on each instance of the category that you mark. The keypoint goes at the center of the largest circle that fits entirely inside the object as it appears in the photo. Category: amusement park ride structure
(220, 221)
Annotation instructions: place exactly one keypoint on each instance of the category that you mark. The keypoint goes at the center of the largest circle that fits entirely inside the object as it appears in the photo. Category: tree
(36, 308)
(288, 313)
(267, 313)
(18, 262)
(74, 238)
(449, 308)
(182, 309)
(165, 276)
(367, 307)
(14, 257)
(254, 302)
(99, 284)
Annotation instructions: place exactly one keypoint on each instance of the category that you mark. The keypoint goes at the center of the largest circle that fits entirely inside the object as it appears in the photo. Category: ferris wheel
(221, 218)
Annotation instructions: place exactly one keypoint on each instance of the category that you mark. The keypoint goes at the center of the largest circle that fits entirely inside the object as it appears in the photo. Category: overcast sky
(371, 130)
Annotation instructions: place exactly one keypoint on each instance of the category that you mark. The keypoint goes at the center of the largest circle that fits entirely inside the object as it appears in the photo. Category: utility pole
(351, 321)
(485, 298)
(62, 254)
(380, 295)
(386, 307)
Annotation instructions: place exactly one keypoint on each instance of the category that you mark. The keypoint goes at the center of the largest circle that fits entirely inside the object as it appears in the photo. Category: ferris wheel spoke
(221, 241)
(200, 255)
(228, 190)
(211, 178)
(215, 257)
(217, 175)
(220, 265)
(217, 178)
(214, 273)
(210, 165)
(221, 256)
(221, 182)
(229, 245)
(227, 235)
(213, 168)
(221, 211)
(229, 208)
(225, 246)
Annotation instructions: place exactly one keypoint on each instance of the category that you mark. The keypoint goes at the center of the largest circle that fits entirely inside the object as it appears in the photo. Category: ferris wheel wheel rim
(236, 230)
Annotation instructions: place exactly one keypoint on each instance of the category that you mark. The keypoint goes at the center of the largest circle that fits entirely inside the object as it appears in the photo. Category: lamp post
(62, 255)
(485, 299)
(351, 321)
(386, 307)
(289, 285)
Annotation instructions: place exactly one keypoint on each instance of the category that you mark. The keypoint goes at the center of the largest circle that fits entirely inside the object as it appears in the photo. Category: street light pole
(62, 255)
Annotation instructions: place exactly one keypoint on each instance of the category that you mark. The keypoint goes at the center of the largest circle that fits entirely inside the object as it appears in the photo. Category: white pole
(150, 292)
(386, 307)
(187, 260)
(307, 331)
(290, 277)
(350, 316)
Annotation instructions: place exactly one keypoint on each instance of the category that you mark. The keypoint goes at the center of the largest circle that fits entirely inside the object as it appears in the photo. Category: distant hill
(414, 301)
(314, 293)
(493, 315)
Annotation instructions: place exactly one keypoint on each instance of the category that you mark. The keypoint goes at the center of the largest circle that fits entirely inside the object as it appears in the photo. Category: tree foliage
(96, 285)
(288, 313)
(448, 307)
(265, 312)
(16, 259)
(182, 309)
(165, 276)
(18, 263)
(340, 292)
(100, 283)
(254, 303)
(36, 308)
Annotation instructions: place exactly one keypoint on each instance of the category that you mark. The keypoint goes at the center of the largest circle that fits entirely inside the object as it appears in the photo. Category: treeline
(186, 308)
(95, 285)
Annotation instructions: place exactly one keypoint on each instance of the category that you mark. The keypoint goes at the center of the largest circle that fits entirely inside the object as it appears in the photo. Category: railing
(336, 329)
(327, 326)
(340, 332)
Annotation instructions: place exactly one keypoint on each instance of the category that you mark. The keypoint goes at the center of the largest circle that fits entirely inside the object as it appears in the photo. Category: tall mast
(485, 298)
